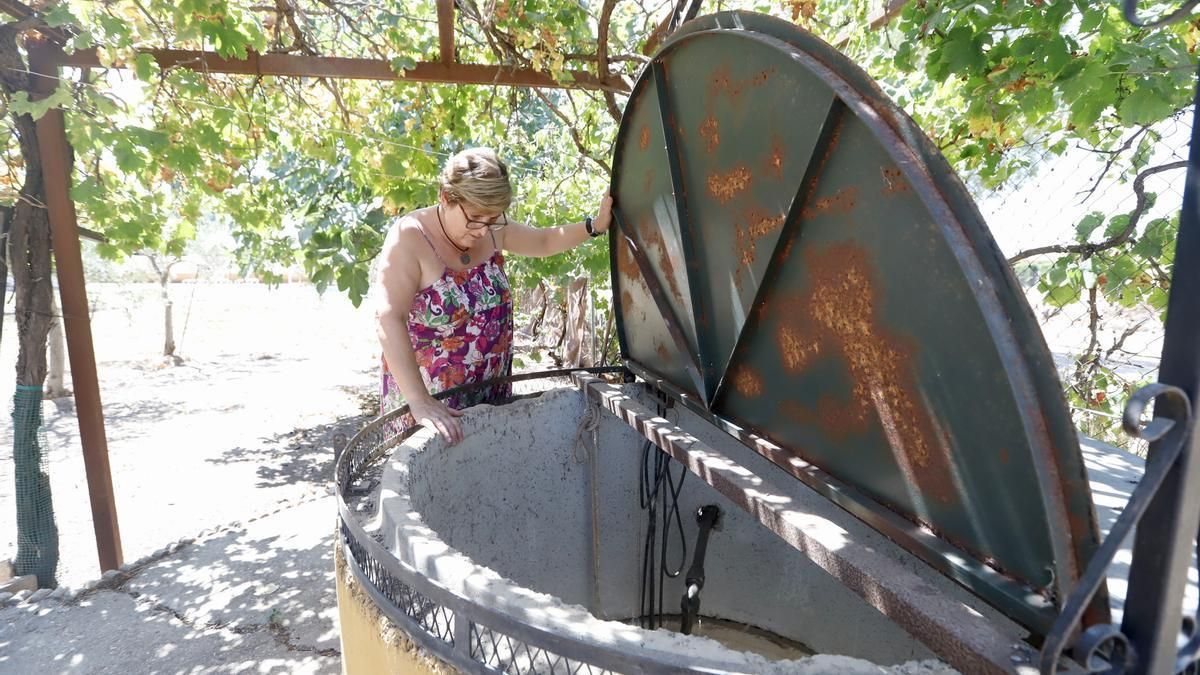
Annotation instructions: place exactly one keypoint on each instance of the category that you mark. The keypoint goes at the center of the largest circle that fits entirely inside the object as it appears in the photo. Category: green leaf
(1157, 298)
(1055, 54)
(403, 63)
(1086, 111)
(1087, 225)
(1116, 225)
(1061, 296)
(145, 67)
(1145, 106)
(1092, 18)
(59, 15)
(1088, 81)
(962, 52)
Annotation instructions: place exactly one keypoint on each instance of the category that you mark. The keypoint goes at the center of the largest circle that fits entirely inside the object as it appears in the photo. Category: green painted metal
(840, 295)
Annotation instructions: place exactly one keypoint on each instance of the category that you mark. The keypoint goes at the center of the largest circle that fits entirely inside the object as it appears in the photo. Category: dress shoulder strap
(421, 229)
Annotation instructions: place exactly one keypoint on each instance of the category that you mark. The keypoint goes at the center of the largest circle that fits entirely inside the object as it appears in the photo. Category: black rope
(658, 496)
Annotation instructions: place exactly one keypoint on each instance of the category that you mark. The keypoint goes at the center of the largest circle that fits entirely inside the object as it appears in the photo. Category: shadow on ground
(259, 598)
(299, 456)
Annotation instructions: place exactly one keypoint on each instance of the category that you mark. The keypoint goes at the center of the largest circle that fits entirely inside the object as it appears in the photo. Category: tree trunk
(168, 321)
(605, 358)
(29, 252)
(537, 307)
(55, 386)
(576, 348)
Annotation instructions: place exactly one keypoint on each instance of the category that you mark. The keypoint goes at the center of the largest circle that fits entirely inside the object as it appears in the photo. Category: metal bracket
(1129, 8)
(706, 517)
(1104, 648)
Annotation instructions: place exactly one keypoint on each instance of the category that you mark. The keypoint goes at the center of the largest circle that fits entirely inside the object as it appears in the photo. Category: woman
(445, 308)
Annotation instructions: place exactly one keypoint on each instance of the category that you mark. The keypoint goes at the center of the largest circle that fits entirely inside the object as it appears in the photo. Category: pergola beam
(445, 13)
(296, 65)
(890, 11)
(19, 10)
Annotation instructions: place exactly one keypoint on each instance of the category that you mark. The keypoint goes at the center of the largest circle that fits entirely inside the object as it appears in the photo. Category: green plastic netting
(37, 533)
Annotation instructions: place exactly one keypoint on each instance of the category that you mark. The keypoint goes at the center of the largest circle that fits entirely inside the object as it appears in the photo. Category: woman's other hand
(604, 218)
(439, 417)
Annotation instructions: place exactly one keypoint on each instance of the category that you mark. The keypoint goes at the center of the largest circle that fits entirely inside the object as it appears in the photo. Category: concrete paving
(253, 598)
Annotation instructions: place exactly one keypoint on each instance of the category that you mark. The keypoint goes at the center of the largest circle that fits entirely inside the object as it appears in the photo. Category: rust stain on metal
(644, 137)
(786, 253)
(775, 161)
(648, 182)
(710, 131)
(652, 238)
(662, 353)
(626, 300)
(893, 182)
(723, 81)
(720, 80)
(724, 187)
(746, 382)
(840, 318)
(836, 419)
(626, 264)
(757, 225)
(843, 201)
(835, 137)
(798, 349)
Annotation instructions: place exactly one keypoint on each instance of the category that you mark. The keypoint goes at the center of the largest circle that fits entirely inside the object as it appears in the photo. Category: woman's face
(467, 224)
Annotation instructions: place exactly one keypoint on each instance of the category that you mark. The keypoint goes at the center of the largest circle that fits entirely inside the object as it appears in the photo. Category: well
(520, 550)
(522, 532)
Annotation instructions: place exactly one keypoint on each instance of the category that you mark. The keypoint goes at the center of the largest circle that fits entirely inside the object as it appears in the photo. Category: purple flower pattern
(461, 327)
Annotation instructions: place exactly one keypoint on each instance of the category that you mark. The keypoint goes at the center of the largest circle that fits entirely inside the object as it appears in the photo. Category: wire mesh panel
(1089, 232)
(37, 531)
(504, 654)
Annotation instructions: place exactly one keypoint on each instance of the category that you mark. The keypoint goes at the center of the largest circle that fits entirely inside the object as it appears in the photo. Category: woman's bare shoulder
(405, 233)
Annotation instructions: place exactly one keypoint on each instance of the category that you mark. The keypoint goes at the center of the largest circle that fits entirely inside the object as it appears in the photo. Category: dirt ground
(272, 381)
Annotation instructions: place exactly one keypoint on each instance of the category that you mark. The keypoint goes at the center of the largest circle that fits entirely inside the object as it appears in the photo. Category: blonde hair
(477, 177)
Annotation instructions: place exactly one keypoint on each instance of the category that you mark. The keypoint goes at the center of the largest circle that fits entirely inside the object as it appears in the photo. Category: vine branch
(1088, 250)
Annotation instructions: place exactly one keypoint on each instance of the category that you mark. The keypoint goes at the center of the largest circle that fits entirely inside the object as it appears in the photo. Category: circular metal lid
(794, 257)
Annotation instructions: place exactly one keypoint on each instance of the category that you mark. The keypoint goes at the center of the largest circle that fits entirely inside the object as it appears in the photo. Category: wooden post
(445, 14)
(64, 234)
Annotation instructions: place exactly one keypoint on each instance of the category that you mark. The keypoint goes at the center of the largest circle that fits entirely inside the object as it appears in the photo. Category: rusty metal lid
(794, 258)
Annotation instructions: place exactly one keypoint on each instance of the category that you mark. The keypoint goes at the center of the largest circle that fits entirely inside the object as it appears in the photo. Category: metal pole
(1162, 552)
(64, 233)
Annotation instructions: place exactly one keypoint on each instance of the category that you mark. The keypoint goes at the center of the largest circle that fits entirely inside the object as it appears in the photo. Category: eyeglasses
(498, 223)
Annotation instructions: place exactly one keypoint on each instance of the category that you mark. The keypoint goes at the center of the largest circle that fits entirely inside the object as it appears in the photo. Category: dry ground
(272, 381)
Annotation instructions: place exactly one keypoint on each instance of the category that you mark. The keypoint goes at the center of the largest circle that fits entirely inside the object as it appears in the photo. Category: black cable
(658, 490)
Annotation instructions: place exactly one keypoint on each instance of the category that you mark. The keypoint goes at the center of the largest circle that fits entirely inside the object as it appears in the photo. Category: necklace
(464, 257)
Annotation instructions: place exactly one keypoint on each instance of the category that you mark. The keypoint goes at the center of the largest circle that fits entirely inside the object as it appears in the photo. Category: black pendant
(465, 258)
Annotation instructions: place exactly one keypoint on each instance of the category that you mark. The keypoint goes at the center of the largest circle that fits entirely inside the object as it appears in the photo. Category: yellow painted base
(371, 643)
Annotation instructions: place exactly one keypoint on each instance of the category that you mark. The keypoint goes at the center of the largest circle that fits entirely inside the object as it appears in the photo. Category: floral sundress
(461, 327)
